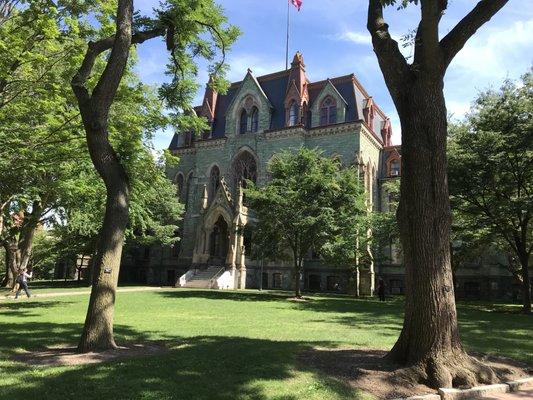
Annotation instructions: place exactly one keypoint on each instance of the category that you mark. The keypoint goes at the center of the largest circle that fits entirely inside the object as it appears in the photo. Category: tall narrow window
(214, 182)
(244, 122)
(293, 114)
(395, 168)
(255, 119)
(179, 183)
(187, 191)
(328, 111)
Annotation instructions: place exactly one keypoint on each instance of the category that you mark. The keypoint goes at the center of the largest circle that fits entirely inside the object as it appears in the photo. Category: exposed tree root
(452, 369)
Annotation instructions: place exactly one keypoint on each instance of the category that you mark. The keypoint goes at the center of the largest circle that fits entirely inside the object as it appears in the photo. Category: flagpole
(287, 44)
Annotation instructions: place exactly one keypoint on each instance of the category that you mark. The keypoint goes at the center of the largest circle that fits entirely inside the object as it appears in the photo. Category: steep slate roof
(275, 87)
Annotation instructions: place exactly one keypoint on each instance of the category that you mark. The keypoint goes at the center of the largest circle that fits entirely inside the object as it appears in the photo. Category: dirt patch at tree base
(68, 356)
(369, 371)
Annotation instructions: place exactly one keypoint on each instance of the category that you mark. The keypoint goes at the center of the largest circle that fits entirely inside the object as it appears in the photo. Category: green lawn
(225, 345)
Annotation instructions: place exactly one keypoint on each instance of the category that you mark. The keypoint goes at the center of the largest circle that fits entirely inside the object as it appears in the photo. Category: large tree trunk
(98, 329)
(429, 340)
(94, 108)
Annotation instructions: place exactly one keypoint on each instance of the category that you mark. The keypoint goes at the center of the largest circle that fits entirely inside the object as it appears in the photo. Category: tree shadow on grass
(199, 368)
(210, 294)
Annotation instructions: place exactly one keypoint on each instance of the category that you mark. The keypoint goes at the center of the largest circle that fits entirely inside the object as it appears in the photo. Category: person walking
(22, 280)
(381, 290)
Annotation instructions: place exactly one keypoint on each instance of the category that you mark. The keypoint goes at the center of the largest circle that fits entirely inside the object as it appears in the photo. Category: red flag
(297, 3)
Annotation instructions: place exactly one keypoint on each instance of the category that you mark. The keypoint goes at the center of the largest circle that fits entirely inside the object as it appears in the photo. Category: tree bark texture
(429, 343)
(98, 329)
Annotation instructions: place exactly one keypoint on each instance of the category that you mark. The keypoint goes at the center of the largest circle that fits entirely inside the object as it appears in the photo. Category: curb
(520, 384)
(472, 393)
(476, 392)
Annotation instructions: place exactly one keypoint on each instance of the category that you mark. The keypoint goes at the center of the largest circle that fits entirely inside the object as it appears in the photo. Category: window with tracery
(214, 182)
(244, 168)
(328, 111)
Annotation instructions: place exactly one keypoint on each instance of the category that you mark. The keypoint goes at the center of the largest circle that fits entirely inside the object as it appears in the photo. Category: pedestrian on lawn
(22, 280)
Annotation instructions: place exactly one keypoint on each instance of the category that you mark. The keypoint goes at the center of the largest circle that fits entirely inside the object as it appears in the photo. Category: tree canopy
(310, 202)
(491, 173)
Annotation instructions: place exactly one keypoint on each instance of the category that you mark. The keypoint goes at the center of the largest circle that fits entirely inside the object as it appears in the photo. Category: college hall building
(257, 118)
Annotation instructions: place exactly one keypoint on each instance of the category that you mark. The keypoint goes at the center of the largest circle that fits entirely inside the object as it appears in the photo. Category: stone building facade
(257, 118)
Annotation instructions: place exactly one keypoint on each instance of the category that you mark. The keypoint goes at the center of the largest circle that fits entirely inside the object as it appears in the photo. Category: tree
(429, 341)
(185, 24)
(37, 48)
(491, 174)
(306, 205)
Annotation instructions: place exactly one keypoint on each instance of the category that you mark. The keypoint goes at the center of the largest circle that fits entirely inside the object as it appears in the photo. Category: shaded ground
(367, 370)
(67, 356)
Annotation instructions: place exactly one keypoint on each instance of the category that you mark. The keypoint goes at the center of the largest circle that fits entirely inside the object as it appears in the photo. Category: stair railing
(216, 276)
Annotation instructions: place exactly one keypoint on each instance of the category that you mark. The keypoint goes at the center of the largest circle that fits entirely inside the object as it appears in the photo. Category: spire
(210, 101)
(298, 61)
(297, 88)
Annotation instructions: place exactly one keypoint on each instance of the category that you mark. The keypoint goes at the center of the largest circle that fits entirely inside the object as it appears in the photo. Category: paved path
(521, 395)
(79, 292)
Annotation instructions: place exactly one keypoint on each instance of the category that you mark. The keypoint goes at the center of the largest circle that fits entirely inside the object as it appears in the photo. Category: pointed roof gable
(330, 85)
(249, 77)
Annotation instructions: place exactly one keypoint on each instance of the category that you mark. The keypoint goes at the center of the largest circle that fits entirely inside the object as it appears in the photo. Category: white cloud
(354, 37)
(488, 54)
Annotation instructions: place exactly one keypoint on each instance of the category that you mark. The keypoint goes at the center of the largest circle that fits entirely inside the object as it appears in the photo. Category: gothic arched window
(244, 168)
(293, 113)
(179, 184)
(187, 193)
(243, 126)
(328, 111)
(255, 120)
(214, 182)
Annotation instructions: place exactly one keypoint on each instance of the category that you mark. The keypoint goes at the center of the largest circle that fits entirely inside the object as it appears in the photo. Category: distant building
(257, 118)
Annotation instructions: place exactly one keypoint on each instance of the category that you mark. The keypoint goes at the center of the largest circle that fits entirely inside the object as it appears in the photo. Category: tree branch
(454, 41)
(392, 63)
(94, 49)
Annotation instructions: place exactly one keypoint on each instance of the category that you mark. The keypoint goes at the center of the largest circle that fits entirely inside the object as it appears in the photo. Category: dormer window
(244, 122)
(395, 168)
(255, 119)
(328, 111)
(293, 113)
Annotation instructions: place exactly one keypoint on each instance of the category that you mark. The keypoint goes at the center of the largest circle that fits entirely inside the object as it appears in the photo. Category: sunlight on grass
(222, 345)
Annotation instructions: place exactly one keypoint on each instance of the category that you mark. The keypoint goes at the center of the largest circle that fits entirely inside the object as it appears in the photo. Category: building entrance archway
(219, 241)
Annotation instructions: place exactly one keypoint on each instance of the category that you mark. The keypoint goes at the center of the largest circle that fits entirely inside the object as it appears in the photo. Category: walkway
(38, 295)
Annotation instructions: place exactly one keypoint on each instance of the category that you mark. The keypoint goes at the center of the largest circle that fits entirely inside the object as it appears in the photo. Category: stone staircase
(204, 279)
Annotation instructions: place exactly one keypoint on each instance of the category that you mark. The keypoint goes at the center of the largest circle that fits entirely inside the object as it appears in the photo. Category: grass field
(225, 345)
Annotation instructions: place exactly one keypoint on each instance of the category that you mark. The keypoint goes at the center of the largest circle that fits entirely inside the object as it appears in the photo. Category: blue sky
(332, 36)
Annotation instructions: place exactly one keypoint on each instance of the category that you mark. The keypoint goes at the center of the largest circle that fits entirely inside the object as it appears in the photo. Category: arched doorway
(218, 242)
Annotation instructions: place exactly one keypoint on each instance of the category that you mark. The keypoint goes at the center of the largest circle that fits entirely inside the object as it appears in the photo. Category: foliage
(383, 224)
(43, 155)
(491, 171)
(491, 163)
(309, 203)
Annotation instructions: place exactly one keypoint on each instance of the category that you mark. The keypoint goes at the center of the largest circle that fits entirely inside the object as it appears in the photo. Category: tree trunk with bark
(94, 108)
(429, 343)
